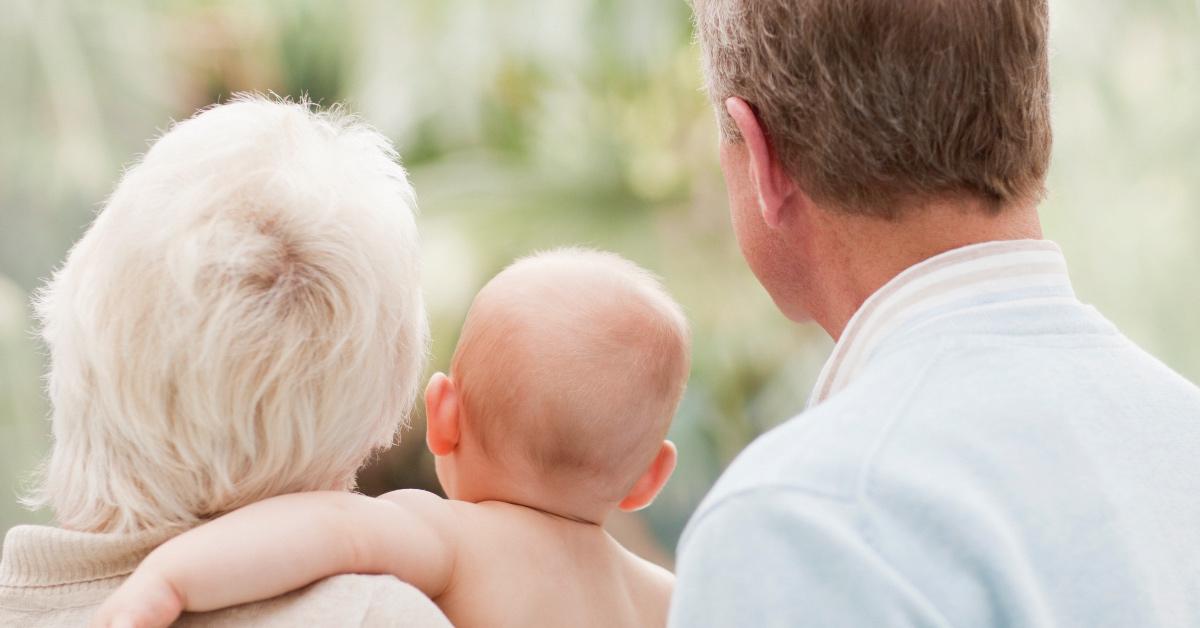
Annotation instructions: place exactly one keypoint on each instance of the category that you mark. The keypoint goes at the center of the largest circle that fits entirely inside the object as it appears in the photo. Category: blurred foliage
(532, 123)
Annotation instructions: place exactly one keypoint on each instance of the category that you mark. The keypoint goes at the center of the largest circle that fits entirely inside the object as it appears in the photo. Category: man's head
(872, 109)
(243, 319)
(566, 376)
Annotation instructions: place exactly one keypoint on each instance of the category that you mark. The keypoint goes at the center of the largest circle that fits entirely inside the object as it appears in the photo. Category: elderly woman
(243, 319)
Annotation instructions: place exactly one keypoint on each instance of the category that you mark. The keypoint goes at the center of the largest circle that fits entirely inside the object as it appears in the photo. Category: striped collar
(969, 276)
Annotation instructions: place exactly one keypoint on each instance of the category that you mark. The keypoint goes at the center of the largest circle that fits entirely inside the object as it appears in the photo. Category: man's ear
(647, 487)
(442, 411)
(773, 184)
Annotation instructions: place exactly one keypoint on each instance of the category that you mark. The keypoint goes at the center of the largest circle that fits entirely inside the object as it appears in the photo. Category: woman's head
(242, 319)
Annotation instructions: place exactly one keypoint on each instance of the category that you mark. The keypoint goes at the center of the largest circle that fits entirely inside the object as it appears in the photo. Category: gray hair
(242, 319)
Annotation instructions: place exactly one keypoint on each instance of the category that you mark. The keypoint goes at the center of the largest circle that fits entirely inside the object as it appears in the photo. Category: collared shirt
(981, 449)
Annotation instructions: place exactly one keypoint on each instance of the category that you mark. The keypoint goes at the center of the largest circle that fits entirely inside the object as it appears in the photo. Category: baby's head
(568, 371)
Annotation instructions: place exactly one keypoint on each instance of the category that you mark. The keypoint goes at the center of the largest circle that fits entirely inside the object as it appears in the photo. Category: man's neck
(861, 254)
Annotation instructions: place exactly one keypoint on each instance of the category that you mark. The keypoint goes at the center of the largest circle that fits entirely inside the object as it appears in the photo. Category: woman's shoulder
(346, 600)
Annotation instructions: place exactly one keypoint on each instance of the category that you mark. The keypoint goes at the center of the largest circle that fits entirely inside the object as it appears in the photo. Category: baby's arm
(284, 543)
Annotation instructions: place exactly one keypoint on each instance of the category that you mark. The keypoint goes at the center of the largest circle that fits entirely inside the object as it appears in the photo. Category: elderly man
(242, 320)
(981, 449)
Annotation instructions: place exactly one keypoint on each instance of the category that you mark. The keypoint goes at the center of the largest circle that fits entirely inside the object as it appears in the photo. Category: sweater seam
(65, 584)
(862, 511)
(867, 468)
(29, 609)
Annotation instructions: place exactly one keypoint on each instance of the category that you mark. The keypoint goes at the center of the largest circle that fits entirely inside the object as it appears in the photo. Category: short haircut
(242, 319)
(874, 104)
(572, 362)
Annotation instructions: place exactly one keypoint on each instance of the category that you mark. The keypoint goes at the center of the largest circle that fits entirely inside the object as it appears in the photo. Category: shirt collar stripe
(961, 273)
(931, 296)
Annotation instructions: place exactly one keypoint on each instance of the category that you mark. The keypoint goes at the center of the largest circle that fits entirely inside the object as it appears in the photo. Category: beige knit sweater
(52, 577)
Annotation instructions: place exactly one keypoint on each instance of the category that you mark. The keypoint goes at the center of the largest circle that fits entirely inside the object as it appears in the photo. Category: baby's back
(522, 567)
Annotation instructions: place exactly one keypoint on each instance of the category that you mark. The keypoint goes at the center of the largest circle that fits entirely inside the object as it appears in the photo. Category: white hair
(242, 319)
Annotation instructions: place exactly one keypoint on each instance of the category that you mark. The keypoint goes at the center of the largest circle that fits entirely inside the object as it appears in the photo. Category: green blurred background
(532, 123)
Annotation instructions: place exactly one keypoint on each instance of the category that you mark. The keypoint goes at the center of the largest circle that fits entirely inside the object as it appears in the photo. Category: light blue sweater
(1002, 456)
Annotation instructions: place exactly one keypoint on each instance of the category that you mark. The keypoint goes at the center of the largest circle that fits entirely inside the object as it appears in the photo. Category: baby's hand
(145, 600)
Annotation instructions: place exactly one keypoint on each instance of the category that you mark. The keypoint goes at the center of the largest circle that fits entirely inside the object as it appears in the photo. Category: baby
(568, 371)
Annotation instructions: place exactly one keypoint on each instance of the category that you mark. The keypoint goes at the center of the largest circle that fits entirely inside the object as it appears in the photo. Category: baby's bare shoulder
(653, 592)
(653, 573)
(424, 505)
(413, 496)
(420, 500)
(656, 581)
(459, 515)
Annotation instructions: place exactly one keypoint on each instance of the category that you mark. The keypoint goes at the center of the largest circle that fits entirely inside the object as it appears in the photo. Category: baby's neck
(557, 514)
(582, 511)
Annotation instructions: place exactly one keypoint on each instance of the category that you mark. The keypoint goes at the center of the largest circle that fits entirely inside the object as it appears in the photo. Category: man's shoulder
(346, 600)
(969, 413)
(926, 403)
(826, 449)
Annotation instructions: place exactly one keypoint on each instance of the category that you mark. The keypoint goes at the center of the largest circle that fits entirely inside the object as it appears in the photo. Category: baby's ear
(441, 415)
(647, 487)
